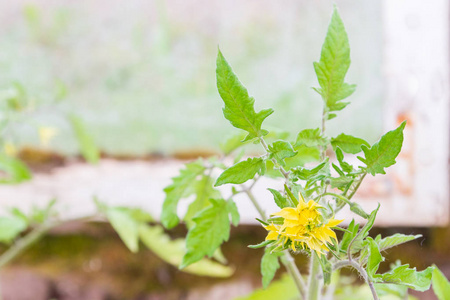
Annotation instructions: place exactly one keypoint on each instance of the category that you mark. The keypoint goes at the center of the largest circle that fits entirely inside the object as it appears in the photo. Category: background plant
(19, 229)
(313, 167)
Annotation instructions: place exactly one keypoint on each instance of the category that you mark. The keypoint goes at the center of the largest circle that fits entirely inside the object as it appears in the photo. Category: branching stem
(361, 271)
(352, 193)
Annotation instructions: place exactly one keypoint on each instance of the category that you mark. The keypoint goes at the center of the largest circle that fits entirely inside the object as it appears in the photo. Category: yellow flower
(10, 149)
(303, 227)
(274, 231)
(46, 134)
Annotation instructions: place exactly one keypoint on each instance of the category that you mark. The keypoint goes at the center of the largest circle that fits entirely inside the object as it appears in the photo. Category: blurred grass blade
(88, 148)
(15, 170)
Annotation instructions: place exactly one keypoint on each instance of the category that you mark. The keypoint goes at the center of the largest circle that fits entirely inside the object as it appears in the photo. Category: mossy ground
(94, 255)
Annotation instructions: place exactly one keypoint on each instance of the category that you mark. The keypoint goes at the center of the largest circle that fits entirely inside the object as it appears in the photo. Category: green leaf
(280, 201)
(341, 181)
(16, 171)
(276, 220)
(291, 196)
(319, 172)
(333, 66)
(357, 245)
(400, 291)
(40, 215)
(19, 214)
(282, 289)
(338, 170)
(311, 138)
(241, 172)
(125, 226)
(139, 215)
(262, 244)
(211, 229)
(172, 251)
(370, 222)
(233, 211)
(357, 209)
(326, 269)
(203, 190)
(181, 187)
(374, 259)
(419, 281)
(239, 109)
(351, 232)
(346, 167)
(348, 143)
(11, 227)
(88, 148)
(441, 285)
(382, 154)
(279, 150)
(269, 266)
(304, 155)
(395, 240)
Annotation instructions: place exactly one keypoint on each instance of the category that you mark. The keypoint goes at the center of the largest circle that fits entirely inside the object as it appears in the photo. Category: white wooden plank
(416, 66)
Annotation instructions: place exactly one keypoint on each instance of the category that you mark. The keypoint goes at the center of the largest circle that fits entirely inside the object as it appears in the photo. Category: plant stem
(314, 282)
(353, 192)
(357, 186)
(287, 260)
(362, 272)
(23, 243)
(289, 264)
(255, 203)
(322, 131)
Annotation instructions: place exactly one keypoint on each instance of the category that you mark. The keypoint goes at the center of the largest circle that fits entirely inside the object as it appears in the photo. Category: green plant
(20, 229)
(309, 196)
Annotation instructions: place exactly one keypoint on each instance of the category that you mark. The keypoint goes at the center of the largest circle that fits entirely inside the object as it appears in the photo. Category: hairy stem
(314, 282)
(291, 267)
(361, 271)
(287, 259)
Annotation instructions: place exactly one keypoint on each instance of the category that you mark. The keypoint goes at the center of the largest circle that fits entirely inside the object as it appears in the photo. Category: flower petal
(287, 213)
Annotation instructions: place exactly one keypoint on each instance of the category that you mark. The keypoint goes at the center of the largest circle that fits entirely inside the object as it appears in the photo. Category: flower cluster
(303, 227)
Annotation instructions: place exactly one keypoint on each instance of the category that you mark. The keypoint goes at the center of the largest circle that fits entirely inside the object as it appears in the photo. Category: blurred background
(140, 76)
(127, 68)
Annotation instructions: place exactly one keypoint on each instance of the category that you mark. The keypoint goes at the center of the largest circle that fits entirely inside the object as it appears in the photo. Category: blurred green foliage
(137, 71)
